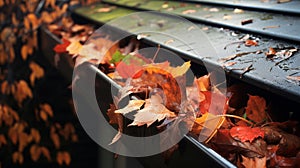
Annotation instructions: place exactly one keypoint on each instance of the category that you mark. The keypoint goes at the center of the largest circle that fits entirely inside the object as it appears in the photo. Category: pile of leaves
(235, 124)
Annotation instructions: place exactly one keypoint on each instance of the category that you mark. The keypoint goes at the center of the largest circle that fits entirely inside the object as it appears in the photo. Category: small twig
(247, 69)
(156, 53)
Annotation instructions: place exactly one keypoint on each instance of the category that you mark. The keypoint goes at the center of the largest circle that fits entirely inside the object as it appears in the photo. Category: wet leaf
(189, 11)
(244, 134)
(238, 11)
(271, 53)
(249, 43)
(62, 48)
(256, 109)
(254, 162)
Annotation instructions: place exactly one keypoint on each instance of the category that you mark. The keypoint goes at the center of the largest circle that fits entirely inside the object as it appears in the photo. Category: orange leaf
(244, 134)
(63, 157)
(55, 139)
(24, 52)
(46, 153)
(22, 92)
(2, 140)
(255, 109)
(249, 43)
(35, 134)
(37, 72)
(47, 109)
(17, 157)
(35, 152)
(203, 83)
(74, 48)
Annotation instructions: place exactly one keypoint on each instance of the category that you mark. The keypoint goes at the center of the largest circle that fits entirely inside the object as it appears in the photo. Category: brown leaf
(47, 109)
(24, 140)
(112, 115)
(271, 53)
(2, 140)
(35, 134)
(255, 109)
(254, 162)
(24, 52)
(45, 151)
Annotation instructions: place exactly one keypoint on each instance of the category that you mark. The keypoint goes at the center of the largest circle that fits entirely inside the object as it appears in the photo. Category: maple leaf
(255, 109)
(215, 103)
(153, 111)
(133, 105)
(62, 48)
(151, 77)
(203, 83)
(244, 134)
(74, 48)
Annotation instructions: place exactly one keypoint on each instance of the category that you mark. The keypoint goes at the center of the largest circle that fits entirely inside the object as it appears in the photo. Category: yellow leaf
(74, 48)
(203, 83)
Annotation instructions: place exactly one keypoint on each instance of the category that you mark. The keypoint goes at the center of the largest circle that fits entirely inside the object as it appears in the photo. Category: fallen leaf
(62, 48)
(189, 11)
(55, 139)
(251, 43)
(295, 78)
(74, 48)
(243, 134)
(238, 11)
(227, 17)
(104, 10)
(133, 105)
(45, 151)
(203, 83)
(283, 1)
(154, 110)
(271, 53)
(255, 162)
(35, 134)
(256, 109)
(63, 157)
(214, 10)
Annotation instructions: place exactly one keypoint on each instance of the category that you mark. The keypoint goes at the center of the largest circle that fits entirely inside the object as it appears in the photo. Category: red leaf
(214, 103)
(244, 134)
(62, 48)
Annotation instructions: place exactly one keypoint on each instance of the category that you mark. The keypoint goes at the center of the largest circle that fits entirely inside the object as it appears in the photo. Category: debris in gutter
(247, 21)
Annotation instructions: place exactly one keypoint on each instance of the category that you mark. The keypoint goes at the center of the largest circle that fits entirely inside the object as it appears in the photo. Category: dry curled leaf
(154, 110)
